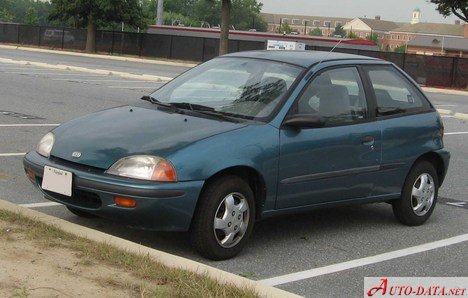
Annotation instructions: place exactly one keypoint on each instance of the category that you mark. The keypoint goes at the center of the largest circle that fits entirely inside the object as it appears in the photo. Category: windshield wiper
(162, 104)
(192, 106)
(205, 110)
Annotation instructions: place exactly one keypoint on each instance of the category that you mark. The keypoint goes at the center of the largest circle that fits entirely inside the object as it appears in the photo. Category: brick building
(304, 24)
(391, 35)
(364, 27)
(402, 35)
(439, 46)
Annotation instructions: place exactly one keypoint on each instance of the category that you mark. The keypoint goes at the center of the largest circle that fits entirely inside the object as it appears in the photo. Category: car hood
(104, 137)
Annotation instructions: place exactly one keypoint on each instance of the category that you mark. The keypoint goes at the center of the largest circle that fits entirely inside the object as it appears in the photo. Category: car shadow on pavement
(269, 234)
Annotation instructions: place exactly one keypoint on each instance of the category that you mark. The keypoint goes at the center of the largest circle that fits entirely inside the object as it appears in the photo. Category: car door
(338, 161)
(407, 130)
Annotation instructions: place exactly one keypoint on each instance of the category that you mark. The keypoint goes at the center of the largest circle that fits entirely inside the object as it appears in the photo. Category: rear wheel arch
(436, 161)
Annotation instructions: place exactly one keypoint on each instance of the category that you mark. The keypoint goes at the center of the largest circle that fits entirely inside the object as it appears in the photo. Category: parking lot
(33, 100)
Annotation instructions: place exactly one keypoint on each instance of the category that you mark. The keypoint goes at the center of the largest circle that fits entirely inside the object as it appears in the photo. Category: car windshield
(238, 87)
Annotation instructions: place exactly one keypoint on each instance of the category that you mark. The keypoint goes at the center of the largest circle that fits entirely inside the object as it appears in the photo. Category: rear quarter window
(394, 93)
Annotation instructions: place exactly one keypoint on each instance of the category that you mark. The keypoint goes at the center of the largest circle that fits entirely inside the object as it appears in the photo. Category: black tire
(403, 208)
(80, 213)
(204, 237)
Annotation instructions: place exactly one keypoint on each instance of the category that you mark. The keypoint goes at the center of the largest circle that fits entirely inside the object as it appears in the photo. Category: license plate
(58, 181)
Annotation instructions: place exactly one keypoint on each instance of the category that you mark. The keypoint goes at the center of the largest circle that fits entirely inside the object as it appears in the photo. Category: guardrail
(437, 71)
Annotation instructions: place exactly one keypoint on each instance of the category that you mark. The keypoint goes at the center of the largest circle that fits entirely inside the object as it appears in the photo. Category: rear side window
(394, 94)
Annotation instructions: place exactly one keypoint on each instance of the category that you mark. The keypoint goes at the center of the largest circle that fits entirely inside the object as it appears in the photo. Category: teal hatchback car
(248, 136)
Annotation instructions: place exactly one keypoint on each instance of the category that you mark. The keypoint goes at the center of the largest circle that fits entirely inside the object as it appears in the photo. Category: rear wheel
(80, 213)
(224, 218)
(419, 195)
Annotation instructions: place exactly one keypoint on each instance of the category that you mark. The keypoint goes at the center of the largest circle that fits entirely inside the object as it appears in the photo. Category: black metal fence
(451, 72)
(114, 42)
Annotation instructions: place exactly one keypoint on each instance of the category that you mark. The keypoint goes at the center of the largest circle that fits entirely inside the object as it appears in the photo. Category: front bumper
(160, 206)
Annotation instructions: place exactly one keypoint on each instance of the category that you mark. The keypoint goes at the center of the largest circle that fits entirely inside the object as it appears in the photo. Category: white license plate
(58, 181)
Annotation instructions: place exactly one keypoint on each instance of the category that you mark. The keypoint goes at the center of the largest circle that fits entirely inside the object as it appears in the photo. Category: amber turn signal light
(31, 175)
(125, 202)
(164, 172)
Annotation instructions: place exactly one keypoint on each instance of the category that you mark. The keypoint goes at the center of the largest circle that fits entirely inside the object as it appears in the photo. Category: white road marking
(131, 87)
(64, 74)
(457, 204)
(38, 205)
(447, 116)
(24, 68)
(28, 125)
(444, 105)
(456, 133)
(55, 74)
(43, 71)
(11, 154)
(116, 81)
(62, 67)
(288, 278)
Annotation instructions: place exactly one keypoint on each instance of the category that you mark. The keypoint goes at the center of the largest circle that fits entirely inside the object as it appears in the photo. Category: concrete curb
(445, 91)
(456, 115)
(143, 77)
(166, 259)
(102, 56)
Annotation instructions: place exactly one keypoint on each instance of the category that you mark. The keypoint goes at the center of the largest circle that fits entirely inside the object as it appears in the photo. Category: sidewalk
(103, 56)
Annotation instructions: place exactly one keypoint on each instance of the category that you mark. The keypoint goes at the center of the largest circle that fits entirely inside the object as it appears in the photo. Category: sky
(391, 10)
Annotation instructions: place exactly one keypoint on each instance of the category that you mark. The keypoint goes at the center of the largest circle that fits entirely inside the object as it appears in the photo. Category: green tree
(246, 15)
(352, 35)
(285, 29)
(401, 49)
(175, 19)
(339, 31)
(5, 11)
(31, 17)
(5, 15)
(316, 32)
(91, 13)
(374, 37)
(456, 7)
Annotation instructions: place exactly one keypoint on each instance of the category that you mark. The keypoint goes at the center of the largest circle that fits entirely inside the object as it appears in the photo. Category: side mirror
(299, 121)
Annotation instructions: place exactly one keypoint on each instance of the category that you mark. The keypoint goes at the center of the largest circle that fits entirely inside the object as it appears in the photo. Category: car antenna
(326, 56)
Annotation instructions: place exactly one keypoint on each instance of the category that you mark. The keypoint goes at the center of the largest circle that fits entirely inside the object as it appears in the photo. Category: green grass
(156, 279)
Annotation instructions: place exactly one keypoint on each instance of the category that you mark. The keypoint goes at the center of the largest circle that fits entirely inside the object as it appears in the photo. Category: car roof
(301, 58)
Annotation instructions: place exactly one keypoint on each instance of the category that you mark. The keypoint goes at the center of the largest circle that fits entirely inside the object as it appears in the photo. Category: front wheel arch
(249, 175)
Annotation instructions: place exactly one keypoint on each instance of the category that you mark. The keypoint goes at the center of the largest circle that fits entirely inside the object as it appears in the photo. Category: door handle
(368, 141)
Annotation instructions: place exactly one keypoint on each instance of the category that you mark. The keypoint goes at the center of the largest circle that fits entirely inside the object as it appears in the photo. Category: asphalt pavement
(33, 100)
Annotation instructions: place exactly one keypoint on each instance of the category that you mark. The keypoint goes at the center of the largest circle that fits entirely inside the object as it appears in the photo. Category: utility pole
(160, 13)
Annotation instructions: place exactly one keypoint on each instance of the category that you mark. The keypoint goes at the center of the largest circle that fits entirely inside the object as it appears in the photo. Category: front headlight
(144, 167)
(45, 145)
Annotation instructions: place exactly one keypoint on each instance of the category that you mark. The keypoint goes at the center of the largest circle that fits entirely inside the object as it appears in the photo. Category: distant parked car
(58, 35)
(248, 136)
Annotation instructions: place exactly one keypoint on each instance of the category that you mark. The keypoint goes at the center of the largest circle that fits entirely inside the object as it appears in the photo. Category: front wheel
(224, 218)
(419, 195)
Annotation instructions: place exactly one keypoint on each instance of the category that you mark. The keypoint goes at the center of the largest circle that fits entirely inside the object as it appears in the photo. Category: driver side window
(337, 95)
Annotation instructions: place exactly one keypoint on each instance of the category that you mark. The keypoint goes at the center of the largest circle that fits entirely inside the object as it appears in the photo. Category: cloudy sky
(392, 10)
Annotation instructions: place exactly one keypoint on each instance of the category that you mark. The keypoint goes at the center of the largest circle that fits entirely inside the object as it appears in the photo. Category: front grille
(75, 165)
